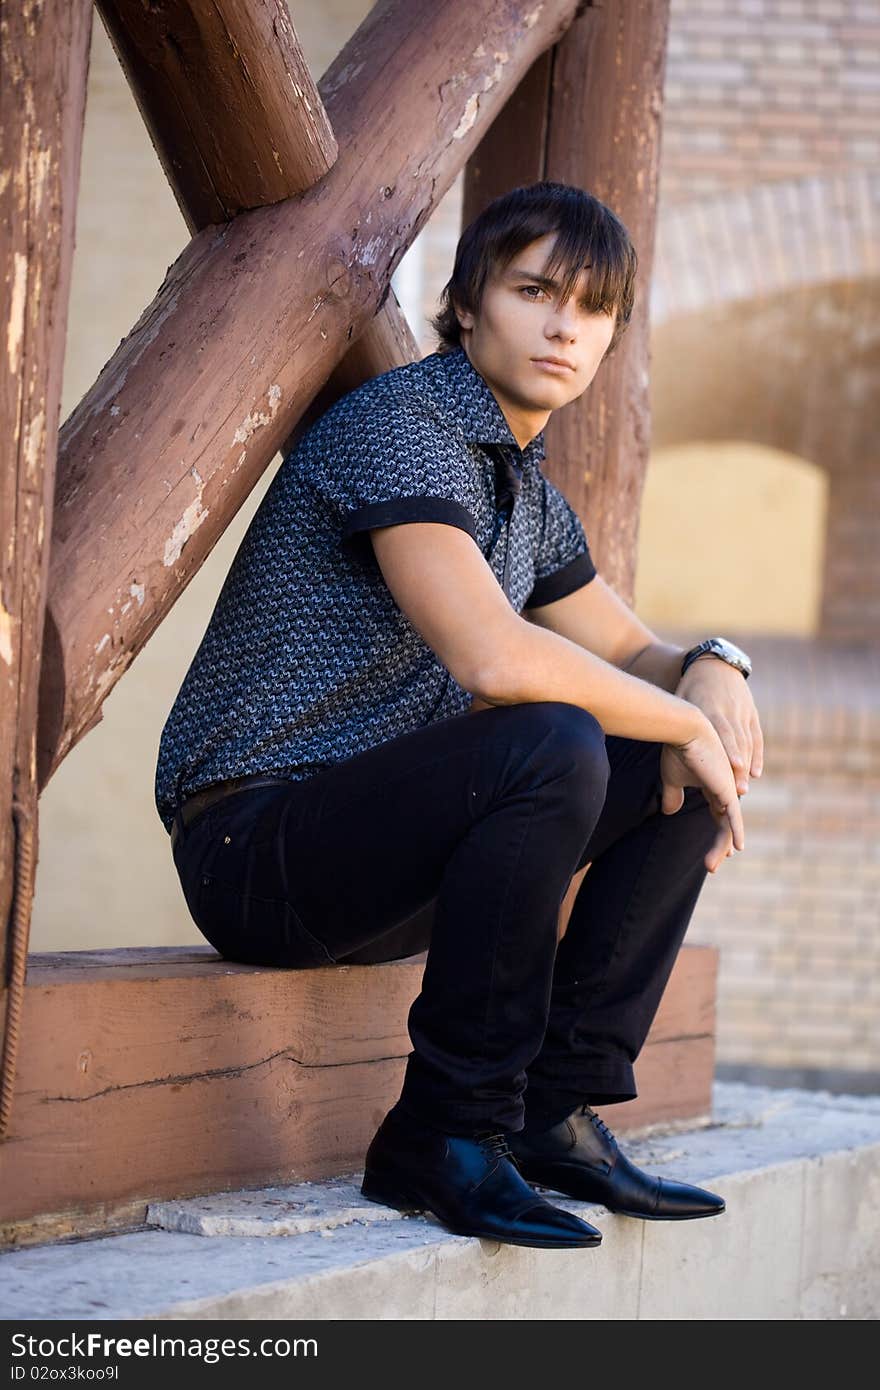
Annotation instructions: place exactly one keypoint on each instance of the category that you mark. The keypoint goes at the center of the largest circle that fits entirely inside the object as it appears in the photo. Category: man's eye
(536, 288)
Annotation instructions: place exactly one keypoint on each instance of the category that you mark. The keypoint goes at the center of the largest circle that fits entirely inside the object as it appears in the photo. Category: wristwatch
(727, 651)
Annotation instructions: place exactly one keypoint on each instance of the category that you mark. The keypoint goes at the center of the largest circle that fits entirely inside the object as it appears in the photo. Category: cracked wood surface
(247, 326)
(211, 1075)
(228, 99)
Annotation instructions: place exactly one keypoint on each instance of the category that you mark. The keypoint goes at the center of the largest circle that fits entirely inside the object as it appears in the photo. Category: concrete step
(800, 1238)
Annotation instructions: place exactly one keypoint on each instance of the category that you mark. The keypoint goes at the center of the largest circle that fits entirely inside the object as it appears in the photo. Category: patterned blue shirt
(307, 660)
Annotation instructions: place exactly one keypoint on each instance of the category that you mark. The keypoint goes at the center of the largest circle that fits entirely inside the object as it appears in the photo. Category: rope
(20, 930)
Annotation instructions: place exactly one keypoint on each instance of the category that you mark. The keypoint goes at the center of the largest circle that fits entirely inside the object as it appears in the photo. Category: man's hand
(723, 694)
(702, 762)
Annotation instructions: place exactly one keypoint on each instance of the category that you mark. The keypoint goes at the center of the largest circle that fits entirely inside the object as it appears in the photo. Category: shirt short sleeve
(563, 562)
(388, 460)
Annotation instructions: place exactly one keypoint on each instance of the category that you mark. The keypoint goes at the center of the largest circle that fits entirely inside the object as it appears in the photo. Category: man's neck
(524, 425)
(523, 428)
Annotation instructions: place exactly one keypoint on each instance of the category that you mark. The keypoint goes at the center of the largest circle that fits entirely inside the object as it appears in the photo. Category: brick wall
(796, 915)
(759, 90)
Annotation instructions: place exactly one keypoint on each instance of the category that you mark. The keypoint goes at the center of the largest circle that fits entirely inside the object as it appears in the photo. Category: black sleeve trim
(572, 576)
(400, 509)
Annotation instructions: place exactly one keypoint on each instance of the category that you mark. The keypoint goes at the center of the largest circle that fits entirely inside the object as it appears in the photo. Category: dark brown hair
(588, 232)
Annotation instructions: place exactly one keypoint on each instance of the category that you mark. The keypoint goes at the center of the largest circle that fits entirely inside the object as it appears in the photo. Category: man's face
(521, 323)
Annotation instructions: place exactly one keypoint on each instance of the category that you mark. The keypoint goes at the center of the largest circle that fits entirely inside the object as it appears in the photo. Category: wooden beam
(211, 1075)
(247, 326)
(386, 342)
(237, 122)
(588, 113)
(228, 99)
(44, 54)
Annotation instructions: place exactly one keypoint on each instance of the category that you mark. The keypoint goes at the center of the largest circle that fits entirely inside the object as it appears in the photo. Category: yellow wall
(731, 536)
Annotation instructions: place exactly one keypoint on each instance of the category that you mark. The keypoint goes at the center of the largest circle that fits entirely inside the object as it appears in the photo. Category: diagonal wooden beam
(237, 122)
(386, 342)
(44, 55)
(226, 94)
(248, 324)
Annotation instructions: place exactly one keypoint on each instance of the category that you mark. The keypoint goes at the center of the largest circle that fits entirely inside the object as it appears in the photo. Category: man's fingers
(672, 799)
(731, 833)
(720, 849)
(722, 845)
(745, 744)
(737, 746)
(757, 746)
(740, 754)
(735, 817)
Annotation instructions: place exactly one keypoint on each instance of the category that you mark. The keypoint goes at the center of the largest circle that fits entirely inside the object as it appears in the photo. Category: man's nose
(563, 321)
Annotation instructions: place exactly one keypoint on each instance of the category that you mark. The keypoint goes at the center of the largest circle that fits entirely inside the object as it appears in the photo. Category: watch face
(721, 647)
(731, 652)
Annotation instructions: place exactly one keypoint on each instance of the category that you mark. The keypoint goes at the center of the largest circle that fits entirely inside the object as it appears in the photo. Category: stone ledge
(166, 1072)
(800, 1172)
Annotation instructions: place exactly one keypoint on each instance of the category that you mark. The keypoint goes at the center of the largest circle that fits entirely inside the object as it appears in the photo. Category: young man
(417, 711)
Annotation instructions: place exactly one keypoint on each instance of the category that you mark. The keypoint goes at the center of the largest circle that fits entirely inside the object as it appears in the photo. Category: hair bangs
(581, 246)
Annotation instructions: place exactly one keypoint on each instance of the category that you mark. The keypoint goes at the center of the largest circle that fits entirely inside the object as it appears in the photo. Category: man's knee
(571, 739)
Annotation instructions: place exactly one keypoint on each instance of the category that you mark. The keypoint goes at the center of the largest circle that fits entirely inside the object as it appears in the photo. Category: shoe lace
(594, 1120)
(495, 1145)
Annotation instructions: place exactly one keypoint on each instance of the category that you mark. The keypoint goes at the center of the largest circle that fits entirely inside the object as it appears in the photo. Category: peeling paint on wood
(188, 524)
(469, 115)
(34, 442)
(6, 623)
(258, 418)
(15, 326)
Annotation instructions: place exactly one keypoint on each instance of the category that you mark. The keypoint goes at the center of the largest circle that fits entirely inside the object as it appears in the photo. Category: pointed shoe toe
(553, 1228)
(680, 1201)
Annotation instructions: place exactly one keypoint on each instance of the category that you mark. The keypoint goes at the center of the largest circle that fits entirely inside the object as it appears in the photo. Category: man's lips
(557, 364)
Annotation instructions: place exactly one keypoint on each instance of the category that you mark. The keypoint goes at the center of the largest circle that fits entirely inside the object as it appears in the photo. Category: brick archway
(765, 328)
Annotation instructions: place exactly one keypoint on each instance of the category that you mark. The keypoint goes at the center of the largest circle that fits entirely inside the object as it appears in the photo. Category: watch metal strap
(705, 648)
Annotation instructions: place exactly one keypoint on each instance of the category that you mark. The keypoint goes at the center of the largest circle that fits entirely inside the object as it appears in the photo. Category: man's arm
(441, 582)
(598, 619)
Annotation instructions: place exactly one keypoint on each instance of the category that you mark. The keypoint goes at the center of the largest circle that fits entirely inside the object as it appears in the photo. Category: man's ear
(464, 316)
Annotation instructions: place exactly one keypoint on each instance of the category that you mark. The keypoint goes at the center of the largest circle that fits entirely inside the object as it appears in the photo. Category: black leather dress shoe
(580, 1157)
(470, 1184)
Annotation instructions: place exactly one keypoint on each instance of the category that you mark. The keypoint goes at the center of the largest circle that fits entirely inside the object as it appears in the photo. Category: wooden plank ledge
(167, 1072)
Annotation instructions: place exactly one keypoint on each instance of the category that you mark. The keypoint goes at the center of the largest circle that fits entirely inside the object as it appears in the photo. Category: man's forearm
(659, 663)
(538, 664)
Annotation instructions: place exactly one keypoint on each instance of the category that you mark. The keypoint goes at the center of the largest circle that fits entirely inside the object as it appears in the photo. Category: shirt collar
(477, 412)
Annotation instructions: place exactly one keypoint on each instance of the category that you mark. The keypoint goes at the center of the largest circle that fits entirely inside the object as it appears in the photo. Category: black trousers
(463, 837)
